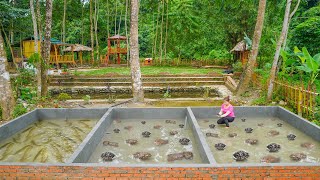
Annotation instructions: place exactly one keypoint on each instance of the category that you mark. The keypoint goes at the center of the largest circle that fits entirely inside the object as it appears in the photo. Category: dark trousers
(225, 120)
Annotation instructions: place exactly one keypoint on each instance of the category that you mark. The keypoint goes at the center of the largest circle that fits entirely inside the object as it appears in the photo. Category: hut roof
(77, 48)
(52, 40)
(241, 46)
(118, 37)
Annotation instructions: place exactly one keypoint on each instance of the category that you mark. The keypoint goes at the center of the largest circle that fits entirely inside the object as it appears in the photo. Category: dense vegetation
(185, 29)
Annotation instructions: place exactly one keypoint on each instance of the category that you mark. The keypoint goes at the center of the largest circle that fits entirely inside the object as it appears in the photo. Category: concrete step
(146, 83)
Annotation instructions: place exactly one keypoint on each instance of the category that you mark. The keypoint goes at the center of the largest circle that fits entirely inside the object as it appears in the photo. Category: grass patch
(150, 70)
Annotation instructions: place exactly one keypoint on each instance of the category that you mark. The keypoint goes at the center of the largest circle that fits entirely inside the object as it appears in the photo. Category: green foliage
(34, 59)
(307, 33)
(261, 101)
(19, 110)
(237, 67)
(27, 94)
(86, 99)
(219, 54)
(64, 97)
(167, 94)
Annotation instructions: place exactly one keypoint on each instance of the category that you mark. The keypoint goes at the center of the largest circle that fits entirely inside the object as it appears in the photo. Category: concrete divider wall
(149, 113)
(240, 111)
(12, 127)
(89, 144)
(201, 142)
(76, 113)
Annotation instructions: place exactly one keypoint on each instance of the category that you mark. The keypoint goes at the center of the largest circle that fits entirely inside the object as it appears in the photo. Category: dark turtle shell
(184, 141)
(291, 137)
(273, 147)
(248, 130)
(240, 155)
(146, 134)
(220, 146)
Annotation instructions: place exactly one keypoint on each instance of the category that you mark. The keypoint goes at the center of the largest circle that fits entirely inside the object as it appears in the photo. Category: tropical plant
(64, 97)
(310, 65)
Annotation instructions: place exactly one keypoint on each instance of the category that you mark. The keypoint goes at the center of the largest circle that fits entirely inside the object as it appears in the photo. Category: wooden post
(299, 102)
(118, 50)
(56, 55)
(80, 57)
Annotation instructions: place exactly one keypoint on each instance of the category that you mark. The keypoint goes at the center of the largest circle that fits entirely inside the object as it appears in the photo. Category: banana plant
(310, 65)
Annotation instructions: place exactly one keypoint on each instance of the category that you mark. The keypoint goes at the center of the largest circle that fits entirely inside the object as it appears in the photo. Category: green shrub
(237, 67)
(86, 99)
(19, 110)
(64, 97)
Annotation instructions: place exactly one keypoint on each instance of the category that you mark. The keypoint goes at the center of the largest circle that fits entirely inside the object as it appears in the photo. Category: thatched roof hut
(117, 37)
(241, 52)
(241, 46)
(77, 48)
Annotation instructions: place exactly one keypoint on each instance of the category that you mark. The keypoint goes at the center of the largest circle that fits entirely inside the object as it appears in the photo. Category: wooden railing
(116, 50)
(297, 96)
(62, 59)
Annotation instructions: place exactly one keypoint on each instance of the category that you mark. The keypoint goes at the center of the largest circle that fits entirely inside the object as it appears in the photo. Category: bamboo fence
(304, 100)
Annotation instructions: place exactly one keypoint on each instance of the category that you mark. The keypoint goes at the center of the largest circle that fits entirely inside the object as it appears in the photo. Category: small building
(79, 49)
(24, 49)
(116, 48)
(241, 52)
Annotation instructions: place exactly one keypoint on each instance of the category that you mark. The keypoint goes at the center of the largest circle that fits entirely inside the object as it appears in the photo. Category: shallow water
(45, 141)
(185, 103)
(256, 152)
(124, 152)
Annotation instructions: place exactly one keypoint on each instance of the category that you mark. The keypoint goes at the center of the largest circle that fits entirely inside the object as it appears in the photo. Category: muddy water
(45, 141)
(185, 103)
(124, 152)
(256, 152)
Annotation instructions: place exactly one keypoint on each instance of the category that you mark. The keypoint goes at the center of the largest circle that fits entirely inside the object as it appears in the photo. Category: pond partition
(181, 144)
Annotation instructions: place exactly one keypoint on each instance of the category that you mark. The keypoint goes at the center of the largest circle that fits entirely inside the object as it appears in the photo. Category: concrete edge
(297, 116)
(203, 142)
(17, 118)
(76, 153)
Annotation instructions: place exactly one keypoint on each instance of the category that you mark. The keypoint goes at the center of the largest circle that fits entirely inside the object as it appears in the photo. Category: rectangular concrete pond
(46, 135)
(86, 142)
(298, 139)
(145, 136)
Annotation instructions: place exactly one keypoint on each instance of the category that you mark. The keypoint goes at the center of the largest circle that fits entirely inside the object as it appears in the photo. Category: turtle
(232, 134)
(279, 124)
(107, 156)
(273, 133)
(273, 147)
(220, 146)
(260, 124)
(298, 156)
(212, 126)
(307, 145)
(160, 142)
(132, 141)
(170, 121)
(128, 128)
(270, 159)
(212, 135)
(181, 125)
(188, 155)
(146, 134)
(184, 141)
(109, 143)
(243, 119)
(291, 137)
(248, 130)
(116, 130)
(251, 141)
(143, 122)
(157, 127)
(175, 156)
(240, 155)
(142, 155)
(173, 132)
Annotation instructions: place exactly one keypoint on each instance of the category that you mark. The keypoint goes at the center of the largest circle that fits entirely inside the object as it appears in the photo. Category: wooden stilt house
(115, 47)
(241, 52)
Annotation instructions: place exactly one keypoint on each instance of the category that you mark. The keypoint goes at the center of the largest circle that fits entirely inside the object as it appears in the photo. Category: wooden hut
(241, 52)
(25, 48)
(79, 49)
(114, 47)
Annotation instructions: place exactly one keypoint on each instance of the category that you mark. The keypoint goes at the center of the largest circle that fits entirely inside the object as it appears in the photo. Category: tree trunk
(91, 33)
(137, 89)
(126, 27)
(45, 48)
(156, 35)
(36, 48)
(279, 45)
(291, 15)
(82, 24)
(39, 79)
(244, 82)
(96, 11)
(166, 36)
(161, 32)
(64, 21)
(6, 95)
